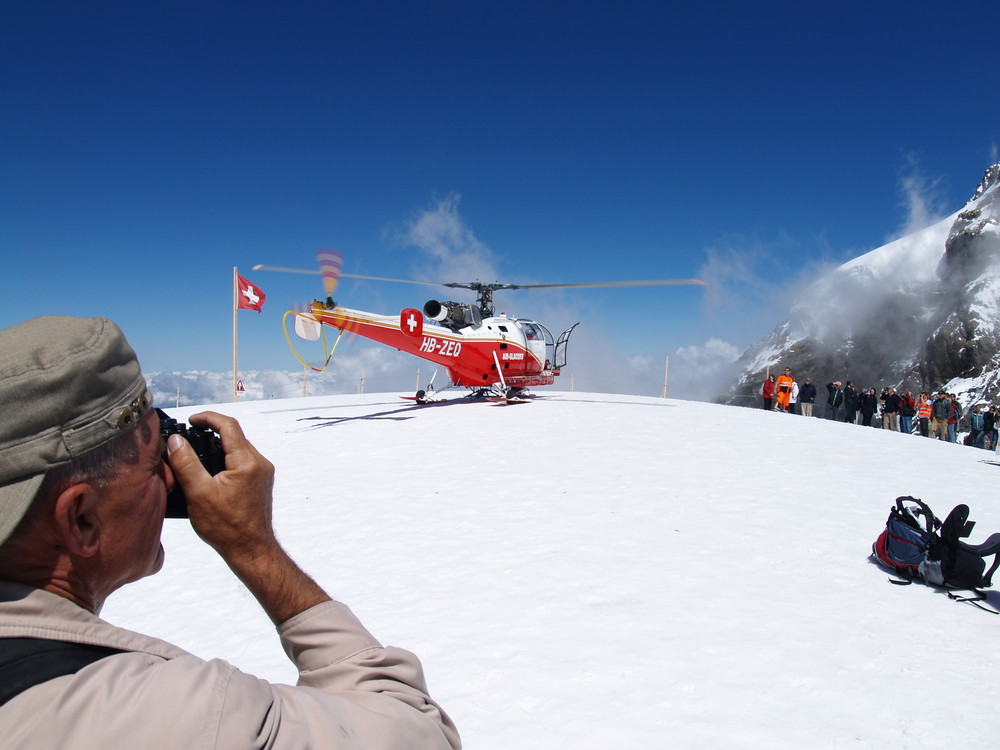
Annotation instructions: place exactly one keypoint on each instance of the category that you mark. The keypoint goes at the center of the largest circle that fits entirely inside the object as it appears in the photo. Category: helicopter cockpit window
(531, 332)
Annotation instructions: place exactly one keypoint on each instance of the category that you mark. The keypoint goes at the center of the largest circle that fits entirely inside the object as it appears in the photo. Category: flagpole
(235, 303)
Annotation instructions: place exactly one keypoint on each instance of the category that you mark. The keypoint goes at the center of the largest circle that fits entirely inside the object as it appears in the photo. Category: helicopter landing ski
(508, 399)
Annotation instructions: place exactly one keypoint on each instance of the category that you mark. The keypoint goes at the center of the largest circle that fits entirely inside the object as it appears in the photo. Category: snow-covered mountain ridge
(920, 313)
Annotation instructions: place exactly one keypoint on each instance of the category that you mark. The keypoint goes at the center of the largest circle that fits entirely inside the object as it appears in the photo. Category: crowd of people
(936, 415)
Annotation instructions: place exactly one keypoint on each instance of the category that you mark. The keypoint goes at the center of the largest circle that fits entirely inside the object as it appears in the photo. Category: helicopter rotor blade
(654, 282)
(476, 285)
(262, 267)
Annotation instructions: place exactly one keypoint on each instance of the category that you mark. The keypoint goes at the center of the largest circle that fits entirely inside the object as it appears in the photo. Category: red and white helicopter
(495, 356)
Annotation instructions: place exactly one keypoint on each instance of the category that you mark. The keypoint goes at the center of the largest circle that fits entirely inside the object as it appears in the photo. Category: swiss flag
(248, 296)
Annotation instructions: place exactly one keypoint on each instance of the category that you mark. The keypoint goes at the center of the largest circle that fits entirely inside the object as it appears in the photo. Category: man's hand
(231, 511)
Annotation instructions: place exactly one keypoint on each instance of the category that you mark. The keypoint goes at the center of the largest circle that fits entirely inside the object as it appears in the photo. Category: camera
(206, 444)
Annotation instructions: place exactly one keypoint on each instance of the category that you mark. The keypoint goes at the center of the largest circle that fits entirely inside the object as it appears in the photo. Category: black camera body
(206, 444)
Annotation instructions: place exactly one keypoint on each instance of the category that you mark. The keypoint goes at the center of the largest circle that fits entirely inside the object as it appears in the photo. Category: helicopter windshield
(532, 331)
(538, 339)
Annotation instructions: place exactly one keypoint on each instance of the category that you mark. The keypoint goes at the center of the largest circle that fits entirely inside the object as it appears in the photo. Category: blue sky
(148, 149)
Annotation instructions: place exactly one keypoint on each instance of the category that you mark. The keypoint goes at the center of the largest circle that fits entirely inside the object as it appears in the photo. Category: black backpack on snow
(918, 546)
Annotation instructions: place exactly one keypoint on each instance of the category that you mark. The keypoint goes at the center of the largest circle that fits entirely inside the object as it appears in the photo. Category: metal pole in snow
(235, 303)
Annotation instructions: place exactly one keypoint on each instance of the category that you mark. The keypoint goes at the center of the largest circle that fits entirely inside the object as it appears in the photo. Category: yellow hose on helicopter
(329, 355)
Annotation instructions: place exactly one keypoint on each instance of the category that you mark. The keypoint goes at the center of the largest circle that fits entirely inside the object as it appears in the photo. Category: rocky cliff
(921, 313)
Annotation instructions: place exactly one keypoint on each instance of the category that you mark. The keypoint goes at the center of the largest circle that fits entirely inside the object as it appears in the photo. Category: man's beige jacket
(351, 693)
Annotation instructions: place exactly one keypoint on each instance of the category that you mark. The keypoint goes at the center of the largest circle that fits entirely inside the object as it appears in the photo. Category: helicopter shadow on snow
(397, 414)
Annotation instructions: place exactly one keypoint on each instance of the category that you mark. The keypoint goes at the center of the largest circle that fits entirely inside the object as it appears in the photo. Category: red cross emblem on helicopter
(411, 322)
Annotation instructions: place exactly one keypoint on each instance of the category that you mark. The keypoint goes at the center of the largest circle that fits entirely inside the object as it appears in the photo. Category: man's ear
(76, 519)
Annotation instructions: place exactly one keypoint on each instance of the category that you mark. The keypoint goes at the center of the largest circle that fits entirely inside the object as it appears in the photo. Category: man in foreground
(83, 489)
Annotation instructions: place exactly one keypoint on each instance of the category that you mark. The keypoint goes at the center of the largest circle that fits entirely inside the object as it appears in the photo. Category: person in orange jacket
(924, 413)
(784, 389)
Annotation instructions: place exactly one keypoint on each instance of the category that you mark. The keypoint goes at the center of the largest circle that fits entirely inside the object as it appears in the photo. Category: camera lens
(205, 442)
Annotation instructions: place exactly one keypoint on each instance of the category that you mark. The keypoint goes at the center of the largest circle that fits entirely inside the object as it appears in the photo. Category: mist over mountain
(920, 313)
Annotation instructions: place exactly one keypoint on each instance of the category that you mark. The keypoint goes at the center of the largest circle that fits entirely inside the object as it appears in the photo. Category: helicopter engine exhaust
(452, 314)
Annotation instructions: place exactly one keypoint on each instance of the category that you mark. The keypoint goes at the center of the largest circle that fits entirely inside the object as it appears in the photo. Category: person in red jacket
(767, 392)
(907, 411)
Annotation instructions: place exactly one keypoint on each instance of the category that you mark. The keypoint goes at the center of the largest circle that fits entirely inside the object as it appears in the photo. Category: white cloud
(709, 354)
(702, 372)
(921, 197)
(370, 367)
(455, 252)
(751, 285)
